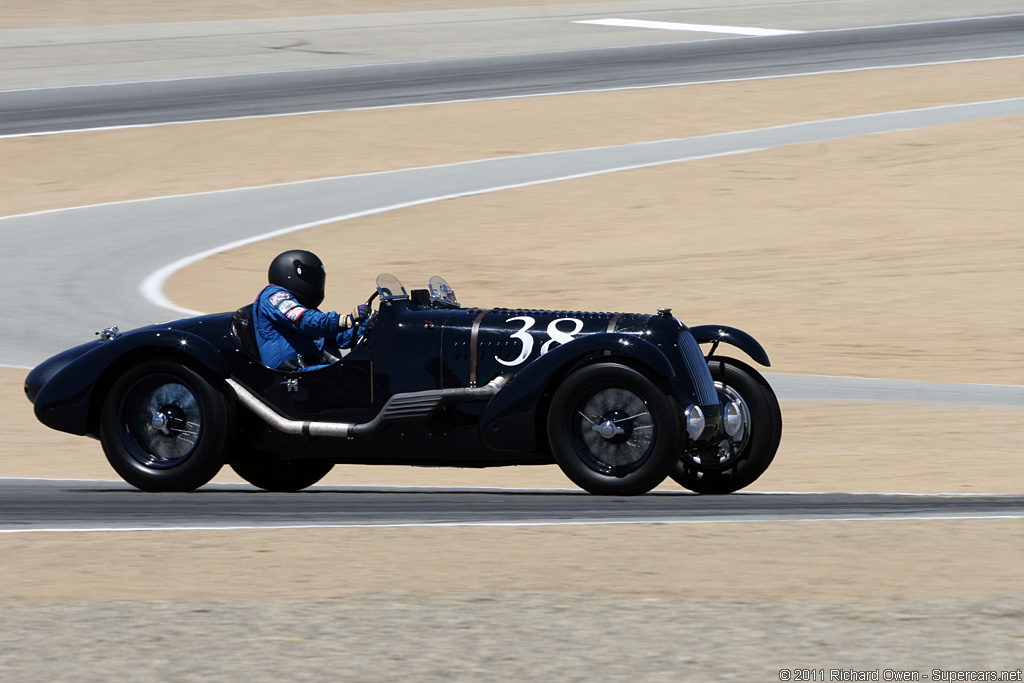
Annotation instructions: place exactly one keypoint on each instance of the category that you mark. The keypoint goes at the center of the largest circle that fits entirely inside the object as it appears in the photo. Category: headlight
(694, 421)
(733, 418)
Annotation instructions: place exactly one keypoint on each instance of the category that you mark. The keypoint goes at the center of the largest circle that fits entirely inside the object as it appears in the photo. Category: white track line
(152, 288)
(699, 28)
(507, 97)
(64, 479)
(462, 59)
(607, 522)
(417, 168)
(907, 381)
(478, 161)
(452, 164)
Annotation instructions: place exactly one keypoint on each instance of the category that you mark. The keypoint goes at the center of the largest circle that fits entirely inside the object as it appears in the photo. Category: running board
(416, 405)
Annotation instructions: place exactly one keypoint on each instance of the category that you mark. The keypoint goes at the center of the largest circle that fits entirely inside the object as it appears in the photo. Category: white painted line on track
(152, 288)
(477, 57)
(907, 381)
(59, 479)
(699, 28)
(538, 523)
(472, 161)
(507, 97)
(937, 494)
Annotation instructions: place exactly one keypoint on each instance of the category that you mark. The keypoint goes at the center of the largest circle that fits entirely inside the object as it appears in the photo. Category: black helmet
(301, 273)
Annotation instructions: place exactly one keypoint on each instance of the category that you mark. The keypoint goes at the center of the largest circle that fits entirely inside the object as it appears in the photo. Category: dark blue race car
(619, 400)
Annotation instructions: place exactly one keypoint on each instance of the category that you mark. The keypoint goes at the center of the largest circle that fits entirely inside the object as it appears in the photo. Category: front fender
(509, 422)
(65, 401)
(730, 335)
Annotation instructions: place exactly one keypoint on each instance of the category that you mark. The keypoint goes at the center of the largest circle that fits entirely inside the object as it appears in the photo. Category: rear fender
(73, 395)
(707, 334)
(509, 422)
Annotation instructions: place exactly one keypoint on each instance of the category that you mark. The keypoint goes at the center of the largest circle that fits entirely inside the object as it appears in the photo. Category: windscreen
(442, 293)
(390, 288)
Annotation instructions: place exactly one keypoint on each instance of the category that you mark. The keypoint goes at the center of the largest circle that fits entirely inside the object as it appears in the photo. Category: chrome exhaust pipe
(408, 406)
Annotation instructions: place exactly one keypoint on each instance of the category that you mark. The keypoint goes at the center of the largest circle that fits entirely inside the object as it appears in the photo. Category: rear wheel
(737, 462)
(164, 427)
(612, 430)
(280, 476)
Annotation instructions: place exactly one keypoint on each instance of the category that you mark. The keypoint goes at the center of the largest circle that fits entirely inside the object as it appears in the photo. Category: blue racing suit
(286, 330)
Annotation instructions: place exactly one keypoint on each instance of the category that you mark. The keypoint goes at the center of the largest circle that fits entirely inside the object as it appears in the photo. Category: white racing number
(556, 335)
(524, 336)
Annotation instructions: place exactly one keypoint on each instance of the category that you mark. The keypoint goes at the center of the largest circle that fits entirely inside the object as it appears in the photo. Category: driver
(290, 331)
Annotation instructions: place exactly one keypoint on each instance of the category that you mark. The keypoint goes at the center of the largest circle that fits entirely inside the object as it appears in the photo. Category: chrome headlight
(694, 421)
(733, 418)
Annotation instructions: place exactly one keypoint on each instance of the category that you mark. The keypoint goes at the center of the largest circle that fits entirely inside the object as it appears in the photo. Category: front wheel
(280, 476)
(738, 461)
(612, 430)
(164, 427)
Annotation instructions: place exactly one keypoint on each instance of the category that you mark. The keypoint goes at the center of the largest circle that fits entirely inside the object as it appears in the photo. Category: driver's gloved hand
(358, 315)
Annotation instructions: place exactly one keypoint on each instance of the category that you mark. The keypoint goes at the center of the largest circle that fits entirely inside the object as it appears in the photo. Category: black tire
(759, 449)
(638, 445)
(164, 427)
(281, 476)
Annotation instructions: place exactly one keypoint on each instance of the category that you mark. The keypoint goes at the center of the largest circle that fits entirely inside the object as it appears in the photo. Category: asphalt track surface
(36, 505)
(76, 108)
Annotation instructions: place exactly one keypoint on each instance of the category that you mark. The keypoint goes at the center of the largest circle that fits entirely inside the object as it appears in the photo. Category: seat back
(244, 330)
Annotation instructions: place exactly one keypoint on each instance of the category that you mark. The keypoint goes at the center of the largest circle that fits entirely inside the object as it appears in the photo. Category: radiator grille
(698, 367)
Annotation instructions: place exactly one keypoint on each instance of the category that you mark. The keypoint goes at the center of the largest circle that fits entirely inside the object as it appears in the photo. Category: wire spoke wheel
(612, 430)
(735, 462)
(165, 427)
(161, 421)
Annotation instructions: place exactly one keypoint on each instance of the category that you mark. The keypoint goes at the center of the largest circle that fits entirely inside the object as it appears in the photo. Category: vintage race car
(619, 401)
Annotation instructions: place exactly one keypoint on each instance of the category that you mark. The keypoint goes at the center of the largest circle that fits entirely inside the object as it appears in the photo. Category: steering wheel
(359, 333)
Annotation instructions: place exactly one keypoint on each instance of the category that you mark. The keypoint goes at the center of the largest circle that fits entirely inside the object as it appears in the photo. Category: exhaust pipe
(408, 406)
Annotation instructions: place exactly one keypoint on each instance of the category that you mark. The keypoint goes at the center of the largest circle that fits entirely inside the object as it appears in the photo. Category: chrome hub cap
(608, 429)
(161, 422)
(614, 429)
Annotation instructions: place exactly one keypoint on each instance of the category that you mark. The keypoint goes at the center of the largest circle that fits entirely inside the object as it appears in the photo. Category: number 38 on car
(620, 401)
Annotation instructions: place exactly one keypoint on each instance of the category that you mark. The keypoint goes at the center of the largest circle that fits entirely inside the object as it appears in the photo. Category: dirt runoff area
(872, 256)
(637, 602)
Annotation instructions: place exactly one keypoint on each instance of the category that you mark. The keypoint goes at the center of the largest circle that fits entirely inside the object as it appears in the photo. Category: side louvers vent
(698, 367)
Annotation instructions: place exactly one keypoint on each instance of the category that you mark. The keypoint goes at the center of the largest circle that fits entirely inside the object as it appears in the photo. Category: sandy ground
(693, 602)
(510, 637)
(876, 256)
(54, 171)
(863, 558)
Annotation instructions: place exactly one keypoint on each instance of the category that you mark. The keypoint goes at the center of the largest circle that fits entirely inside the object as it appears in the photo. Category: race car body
(619, 401)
